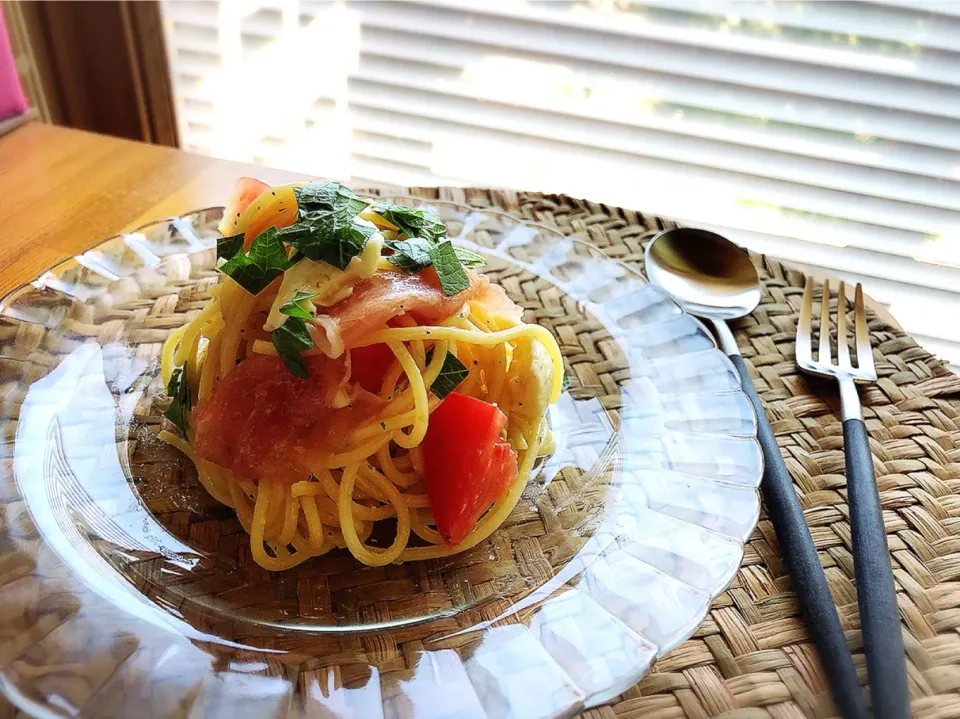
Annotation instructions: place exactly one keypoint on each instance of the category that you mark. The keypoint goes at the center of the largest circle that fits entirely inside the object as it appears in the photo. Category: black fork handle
(810, 583)
(876, 592)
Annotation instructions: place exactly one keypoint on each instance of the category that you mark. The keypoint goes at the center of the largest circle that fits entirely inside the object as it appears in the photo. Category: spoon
(712, 278)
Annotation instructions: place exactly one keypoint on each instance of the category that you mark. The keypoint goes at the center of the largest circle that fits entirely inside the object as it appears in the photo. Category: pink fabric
(12, 100)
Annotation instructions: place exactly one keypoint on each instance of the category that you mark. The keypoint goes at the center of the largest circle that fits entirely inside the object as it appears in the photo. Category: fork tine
(824, 357)
(805, 325)
(864, 352)
(843, 349)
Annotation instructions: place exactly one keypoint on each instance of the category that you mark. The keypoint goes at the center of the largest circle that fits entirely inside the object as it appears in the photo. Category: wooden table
(65, 190)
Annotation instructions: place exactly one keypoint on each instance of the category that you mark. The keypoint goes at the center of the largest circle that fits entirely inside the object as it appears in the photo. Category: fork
(876, 594)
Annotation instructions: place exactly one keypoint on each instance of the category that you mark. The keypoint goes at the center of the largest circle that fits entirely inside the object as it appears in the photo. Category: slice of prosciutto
(263, 422)
(495, 300)
(377, 300)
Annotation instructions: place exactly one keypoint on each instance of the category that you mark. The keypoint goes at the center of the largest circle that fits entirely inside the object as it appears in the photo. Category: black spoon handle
(796, 544)
(876, 592)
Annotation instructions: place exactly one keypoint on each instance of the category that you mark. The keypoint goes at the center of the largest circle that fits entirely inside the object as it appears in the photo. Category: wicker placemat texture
(752, 656)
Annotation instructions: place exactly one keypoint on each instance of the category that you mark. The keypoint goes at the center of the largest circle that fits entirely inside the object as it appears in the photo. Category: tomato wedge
(369, 364)
(466, 466)
(245, 191)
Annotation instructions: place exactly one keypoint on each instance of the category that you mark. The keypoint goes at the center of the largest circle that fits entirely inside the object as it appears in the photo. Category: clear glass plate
(126, 590)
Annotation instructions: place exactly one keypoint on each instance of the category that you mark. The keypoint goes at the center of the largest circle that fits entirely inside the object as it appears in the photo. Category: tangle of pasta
(376, 475)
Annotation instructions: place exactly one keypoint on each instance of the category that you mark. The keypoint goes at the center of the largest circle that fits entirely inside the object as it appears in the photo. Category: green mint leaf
(267, 250)
(327, 229)
(227, 247)
(327, 196)
(178, 389)
(452, 373)
(468, 258)
(264, 262)
(293, 306)
(453, 278)
(565, 382)
(410, 255)
(412, 221)
(332, 238)
(413, 255)
(290, 340)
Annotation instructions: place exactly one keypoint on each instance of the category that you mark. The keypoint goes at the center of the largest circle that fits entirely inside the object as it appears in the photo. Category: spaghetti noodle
(370, 483)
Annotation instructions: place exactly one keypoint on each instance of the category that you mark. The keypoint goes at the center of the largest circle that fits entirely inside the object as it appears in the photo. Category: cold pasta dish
(355, 382)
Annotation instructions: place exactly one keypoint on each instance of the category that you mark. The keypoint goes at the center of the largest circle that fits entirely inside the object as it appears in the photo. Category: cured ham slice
(263, 422)
(378, 299)
(495, 300)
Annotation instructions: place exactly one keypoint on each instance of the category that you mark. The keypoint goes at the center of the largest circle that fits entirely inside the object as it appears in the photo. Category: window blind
(822, 133)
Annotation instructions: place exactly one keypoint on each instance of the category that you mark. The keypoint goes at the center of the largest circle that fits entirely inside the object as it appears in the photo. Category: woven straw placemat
(752, 656)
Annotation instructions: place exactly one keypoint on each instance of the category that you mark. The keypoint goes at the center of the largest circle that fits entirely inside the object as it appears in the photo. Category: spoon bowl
(705, 272)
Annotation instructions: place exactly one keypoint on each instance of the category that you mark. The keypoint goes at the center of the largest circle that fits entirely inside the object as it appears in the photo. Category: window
(824, 133)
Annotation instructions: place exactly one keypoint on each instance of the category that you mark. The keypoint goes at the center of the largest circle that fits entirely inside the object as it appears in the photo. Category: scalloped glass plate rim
(508, 217)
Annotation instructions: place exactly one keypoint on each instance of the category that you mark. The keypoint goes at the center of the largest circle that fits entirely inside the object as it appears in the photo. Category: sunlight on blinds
(823, 133)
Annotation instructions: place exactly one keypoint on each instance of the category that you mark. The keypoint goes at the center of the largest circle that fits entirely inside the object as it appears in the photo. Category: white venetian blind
(826, 133)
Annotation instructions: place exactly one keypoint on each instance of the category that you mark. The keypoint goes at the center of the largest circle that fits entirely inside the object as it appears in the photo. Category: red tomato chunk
(369, 365)
(466, 466)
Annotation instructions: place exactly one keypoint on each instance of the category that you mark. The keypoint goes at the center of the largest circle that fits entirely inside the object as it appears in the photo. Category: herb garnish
(422, 242)
(328, 196)
(410, 255)
(227, 247)
(294, 306)
(565, 382)
(468, 258)
(265, 261)
(178, 389)
(411, 221)
(327, 229)
(452, 373)
(290, 340)
(453, 278)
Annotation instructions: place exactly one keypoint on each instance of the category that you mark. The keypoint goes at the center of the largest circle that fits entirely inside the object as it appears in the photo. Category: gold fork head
(865, 370)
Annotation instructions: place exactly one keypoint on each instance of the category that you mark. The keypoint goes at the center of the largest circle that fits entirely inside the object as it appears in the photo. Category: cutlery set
(713, 278)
